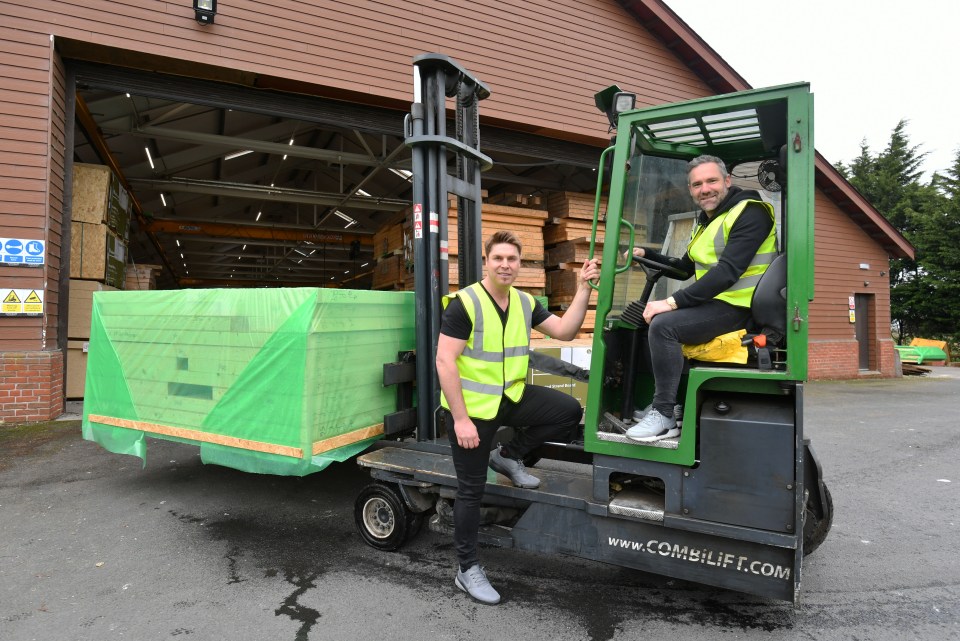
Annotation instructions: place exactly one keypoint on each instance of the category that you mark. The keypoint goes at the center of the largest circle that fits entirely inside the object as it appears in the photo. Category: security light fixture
(205, 10)
(612, 101)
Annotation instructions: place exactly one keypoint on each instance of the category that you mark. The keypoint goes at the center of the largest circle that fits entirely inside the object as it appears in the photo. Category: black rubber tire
(816, 528)
(382, 518)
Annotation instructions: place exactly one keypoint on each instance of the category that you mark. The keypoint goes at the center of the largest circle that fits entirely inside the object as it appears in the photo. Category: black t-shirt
(455, 322)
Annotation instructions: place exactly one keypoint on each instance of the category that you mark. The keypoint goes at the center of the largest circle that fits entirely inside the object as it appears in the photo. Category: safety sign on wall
(22, 302)
(22, 252)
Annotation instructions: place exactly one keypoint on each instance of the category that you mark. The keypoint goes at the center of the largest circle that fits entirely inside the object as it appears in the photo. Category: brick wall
(839, 359)
(31, 387)
(828, 359)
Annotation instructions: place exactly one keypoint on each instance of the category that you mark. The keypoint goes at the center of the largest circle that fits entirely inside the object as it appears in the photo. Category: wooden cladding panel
(841, 246)
(543, 59)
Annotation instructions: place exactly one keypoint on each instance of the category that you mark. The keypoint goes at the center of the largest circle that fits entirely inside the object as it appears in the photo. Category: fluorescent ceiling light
(163, 200)
(237, 154)
(258, 215)
(149, 157)
(403, 173)
(363, 193)
(350, 221)
(178, 242)
(364, 265)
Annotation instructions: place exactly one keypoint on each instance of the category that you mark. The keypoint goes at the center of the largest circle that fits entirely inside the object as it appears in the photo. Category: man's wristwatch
(671, 302)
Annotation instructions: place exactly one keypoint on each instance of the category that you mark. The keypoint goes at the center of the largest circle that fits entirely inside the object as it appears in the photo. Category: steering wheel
(648, 266)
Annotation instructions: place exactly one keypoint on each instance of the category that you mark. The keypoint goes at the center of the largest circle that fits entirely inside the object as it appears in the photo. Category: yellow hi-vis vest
(708, 242)
(494, 361)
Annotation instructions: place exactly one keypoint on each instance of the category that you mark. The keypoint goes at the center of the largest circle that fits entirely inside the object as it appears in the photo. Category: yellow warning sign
(22, 302)
(32, 304)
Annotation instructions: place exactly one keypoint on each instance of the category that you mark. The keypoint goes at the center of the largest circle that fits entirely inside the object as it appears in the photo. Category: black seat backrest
(769, 303)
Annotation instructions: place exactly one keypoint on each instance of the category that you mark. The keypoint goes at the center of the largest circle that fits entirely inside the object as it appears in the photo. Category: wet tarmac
(92, 546)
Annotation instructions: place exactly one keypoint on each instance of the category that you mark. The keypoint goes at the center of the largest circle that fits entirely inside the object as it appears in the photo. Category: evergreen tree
(891, 181)
(934, 300)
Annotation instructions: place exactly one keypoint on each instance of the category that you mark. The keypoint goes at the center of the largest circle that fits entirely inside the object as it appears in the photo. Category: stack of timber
(566, 237)
(267, 380)
(526, 223)
(100, 217)
(78, 332)
(393, 253)
(142, 277)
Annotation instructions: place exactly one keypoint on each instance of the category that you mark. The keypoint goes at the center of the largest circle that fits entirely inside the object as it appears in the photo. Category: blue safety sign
(22, 251)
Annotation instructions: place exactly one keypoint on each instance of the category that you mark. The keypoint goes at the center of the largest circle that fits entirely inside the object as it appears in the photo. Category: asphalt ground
(92, 546)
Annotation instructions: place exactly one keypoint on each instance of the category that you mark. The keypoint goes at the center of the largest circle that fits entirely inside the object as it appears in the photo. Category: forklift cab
(765, 138)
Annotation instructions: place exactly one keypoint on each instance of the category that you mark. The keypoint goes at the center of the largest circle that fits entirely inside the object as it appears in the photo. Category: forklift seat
(768, 308)
(769, 303)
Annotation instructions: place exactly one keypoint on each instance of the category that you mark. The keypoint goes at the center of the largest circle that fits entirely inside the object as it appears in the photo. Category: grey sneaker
(653, 427)
(474, 582)
(513, 470)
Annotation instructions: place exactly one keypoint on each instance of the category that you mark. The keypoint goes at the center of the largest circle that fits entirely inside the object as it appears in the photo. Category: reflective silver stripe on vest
(719, 242)
(763, 259)
(476, 352)
(745, 282)
(480, 388)
(703, 266)
(526, 304)
(516, 351)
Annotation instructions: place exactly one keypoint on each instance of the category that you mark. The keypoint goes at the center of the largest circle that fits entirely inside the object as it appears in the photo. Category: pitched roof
(689, 47)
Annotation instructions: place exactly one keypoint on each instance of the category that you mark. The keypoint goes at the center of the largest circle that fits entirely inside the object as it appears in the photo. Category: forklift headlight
(613, 102)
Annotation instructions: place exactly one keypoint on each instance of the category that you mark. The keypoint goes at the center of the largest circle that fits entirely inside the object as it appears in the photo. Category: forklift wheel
(816, 527)
(382, 517)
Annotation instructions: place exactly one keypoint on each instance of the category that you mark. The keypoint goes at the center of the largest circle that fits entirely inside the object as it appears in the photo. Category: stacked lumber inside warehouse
(555, 232)
(566, 238)
(393, 253)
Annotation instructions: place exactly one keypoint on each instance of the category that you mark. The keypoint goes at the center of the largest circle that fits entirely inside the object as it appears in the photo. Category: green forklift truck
(736, 500)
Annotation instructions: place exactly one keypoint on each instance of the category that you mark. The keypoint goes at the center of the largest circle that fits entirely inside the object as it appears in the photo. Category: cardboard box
(76, 367)
(98, 197)
(578, 354)
(96, 253)
(80, 306)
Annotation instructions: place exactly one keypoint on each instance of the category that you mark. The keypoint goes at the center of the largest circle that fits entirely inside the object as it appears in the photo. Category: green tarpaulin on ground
(278, 381)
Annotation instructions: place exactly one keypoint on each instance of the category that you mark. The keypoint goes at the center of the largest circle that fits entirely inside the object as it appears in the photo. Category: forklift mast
(436, 78)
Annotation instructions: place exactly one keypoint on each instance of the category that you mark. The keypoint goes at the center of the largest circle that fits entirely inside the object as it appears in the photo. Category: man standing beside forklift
(733, 242)
(482, 360)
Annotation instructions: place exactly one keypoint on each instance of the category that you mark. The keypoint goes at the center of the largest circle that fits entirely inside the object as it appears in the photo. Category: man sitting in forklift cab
(482, 358)
(732, 244)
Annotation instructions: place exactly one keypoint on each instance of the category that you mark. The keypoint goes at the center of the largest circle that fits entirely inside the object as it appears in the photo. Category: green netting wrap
(277, 381)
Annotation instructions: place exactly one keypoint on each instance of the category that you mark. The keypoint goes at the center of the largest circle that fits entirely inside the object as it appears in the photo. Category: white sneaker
(475, 583)
(654, 427)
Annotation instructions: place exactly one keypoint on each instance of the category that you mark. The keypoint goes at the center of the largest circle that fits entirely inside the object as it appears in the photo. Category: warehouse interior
(234, 186)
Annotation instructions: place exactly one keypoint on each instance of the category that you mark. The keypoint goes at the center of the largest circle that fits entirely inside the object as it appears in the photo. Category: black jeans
(543, 415)
(691, 326)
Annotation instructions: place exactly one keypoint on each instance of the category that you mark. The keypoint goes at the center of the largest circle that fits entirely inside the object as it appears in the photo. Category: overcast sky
(869, 63)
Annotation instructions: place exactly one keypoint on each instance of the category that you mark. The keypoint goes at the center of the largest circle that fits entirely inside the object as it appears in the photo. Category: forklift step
(638, 503)
(667, 443)
(612, 430)
(571, 487)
